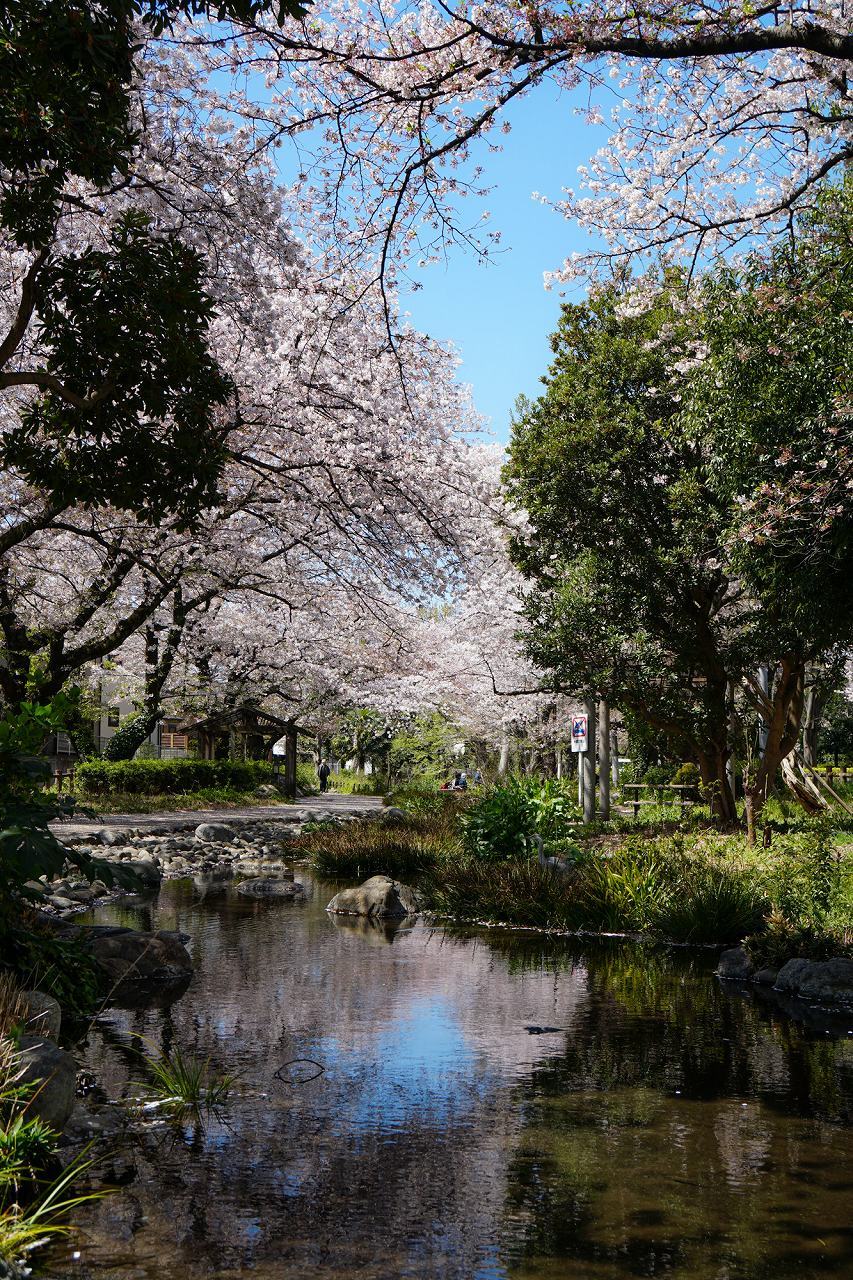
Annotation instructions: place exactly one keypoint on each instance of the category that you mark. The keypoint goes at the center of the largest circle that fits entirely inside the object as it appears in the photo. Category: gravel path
(304, 810)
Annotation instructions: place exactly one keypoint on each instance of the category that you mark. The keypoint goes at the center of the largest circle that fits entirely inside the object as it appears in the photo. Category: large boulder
(736, 965)
(269, 887)
(215, 833)
(379, 897)
(823, 981)
(127, 954)
(44, 1016)
(54, 1073)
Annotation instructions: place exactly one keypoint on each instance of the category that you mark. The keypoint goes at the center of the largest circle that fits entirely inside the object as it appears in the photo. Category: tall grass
(182, 1084)
(653, 888)
(360, 849)
(32, 1205)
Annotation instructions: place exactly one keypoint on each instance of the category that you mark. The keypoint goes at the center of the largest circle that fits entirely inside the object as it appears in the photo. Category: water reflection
(491, 1107)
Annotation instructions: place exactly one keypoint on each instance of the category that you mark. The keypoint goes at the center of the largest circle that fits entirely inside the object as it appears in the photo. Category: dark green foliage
(170, 777)
(129, 387)
(63, 967)
(502, 822)
(66, 68)
(127, 740)
(131, 421)
(28, 849)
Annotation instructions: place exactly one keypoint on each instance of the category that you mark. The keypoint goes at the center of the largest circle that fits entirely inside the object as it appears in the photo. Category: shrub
(306, 779)
(360, 784)
(804, 875)
(502, 822)
(170, 777)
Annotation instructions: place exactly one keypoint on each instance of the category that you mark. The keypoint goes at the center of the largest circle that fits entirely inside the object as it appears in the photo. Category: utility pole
(588, 767)
(604, 759)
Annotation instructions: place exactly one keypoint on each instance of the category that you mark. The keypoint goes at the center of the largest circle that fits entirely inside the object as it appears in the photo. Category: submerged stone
(267, 887)
(736, 964)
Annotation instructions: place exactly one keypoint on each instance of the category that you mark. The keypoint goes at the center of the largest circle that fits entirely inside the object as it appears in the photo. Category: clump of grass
(23, 1227)
(522, 892)
(359, 849)
(182, 1083)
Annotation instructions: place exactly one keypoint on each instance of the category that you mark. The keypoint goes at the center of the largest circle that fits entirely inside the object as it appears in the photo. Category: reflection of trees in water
(412, 1155)
(384, 1159)
(687, 1128)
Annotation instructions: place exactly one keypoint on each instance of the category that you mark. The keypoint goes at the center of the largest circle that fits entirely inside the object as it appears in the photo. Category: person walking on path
(323, 774)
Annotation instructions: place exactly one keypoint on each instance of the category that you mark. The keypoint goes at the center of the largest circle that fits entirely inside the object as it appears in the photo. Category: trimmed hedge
(170, 777)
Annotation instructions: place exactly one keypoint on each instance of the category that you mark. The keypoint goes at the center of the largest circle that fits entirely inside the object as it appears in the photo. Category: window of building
(113, 718)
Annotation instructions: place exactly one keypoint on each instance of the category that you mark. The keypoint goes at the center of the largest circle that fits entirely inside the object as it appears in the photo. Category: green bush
(306, 779)
(501, 823)
(170, 777)
(687, 775)
(804, 875)
(359, 784)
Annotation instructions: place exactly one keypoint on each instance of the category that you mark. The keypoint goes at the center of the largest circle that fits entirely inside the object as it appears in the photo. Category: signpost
(580, 732)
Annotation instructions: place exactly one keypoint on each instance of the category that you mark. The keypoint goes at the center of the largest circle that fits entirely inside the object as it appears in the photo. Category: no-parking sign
(580, 733)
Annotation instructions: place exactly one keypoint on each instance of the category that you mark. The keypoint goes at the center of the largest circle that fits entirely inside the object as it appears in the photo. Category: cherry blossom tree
(345, 477)
(724, 119)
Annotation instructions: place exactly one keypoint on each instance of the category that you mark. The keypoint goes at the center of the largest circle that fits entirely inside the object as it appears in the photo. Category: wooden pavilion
(246, 733)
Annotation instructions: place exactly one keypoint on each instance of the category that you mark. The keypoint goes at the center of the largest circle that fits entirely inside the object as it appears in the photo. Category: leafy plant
(503, 821)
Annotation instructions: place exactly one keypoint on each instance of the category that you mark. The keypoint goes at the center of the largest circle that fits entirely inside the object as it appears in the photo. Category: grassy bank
(476, 858)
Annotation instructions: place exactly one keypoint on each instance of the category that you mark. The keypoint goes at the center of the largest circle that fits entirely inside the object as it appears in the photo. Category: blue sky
(499, 316)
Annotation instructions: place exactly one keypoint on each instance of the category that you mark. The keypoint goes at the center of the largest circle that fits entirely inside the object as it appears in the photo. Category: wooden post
(604, 759)
(588, 768)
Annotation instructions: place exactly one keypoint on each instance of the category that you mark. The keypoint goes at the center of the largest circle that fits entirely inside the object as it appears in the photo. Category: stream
(491, 1105)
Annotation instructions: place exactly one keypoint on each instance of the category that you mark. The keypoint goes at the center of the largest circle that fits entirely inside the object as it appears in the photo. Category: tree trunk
(713, 760)
(604, 759)
(503, 760)
(782, 718)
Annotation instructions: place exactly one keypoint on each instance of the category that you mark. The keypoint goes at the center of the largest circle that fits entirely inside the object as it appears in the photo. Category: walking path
(302, 811)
